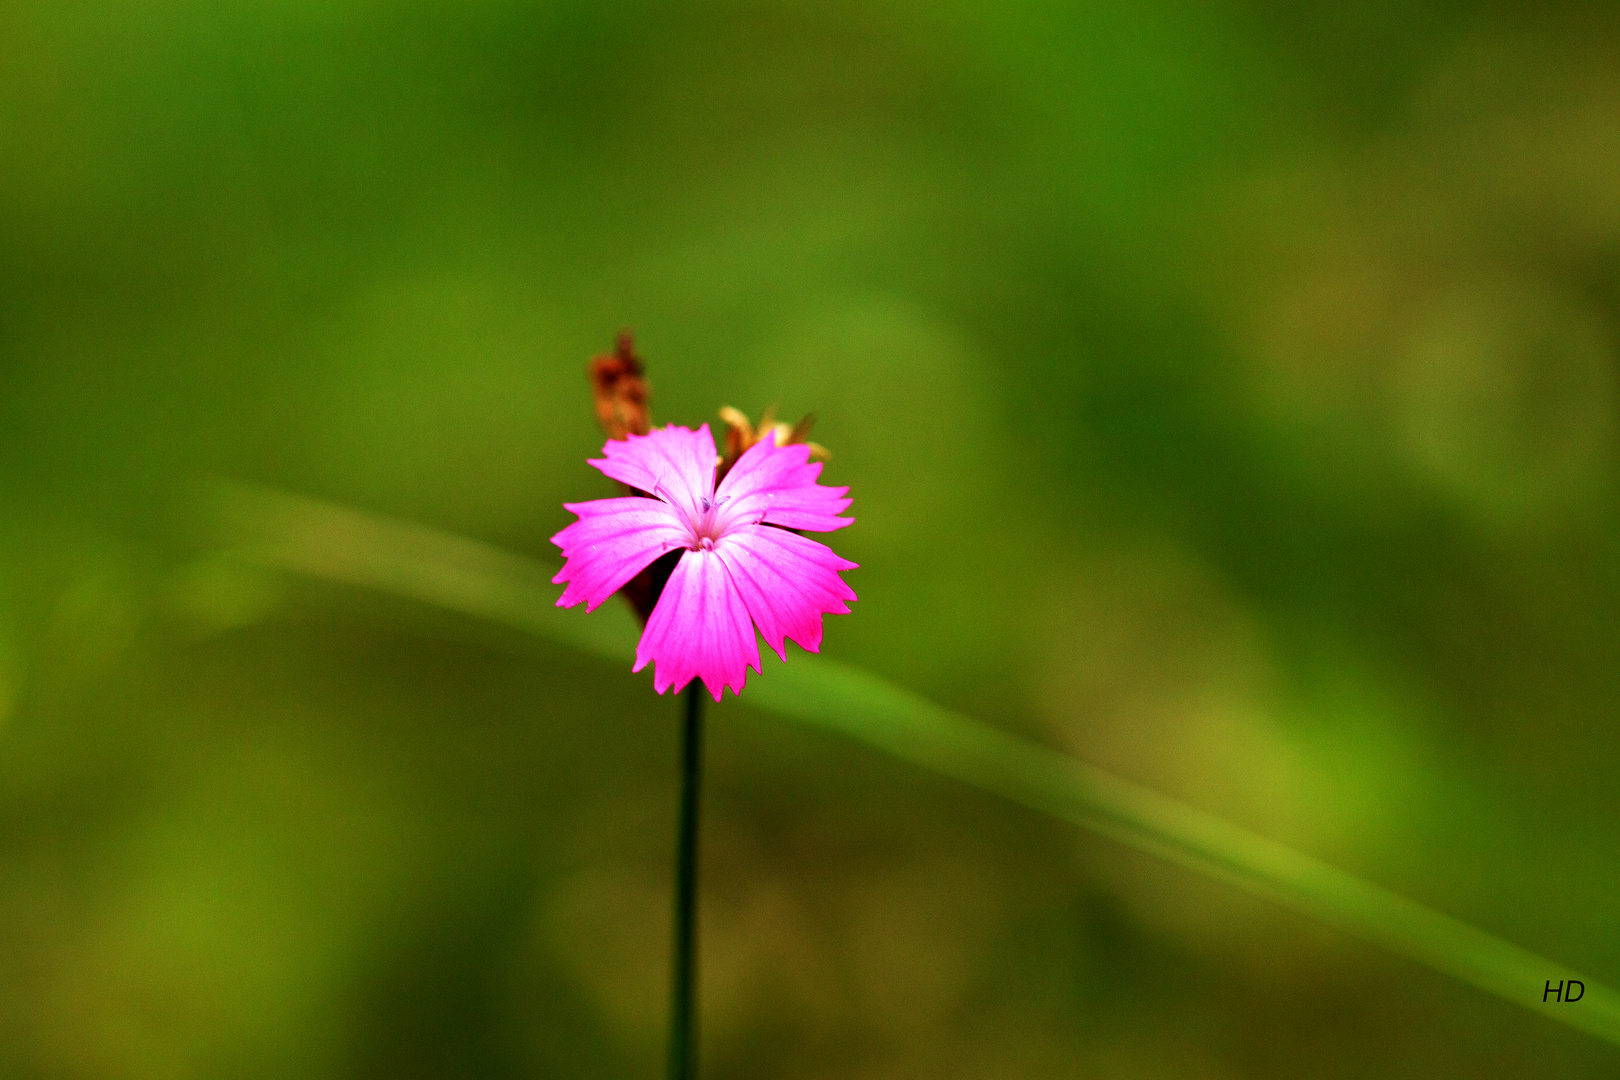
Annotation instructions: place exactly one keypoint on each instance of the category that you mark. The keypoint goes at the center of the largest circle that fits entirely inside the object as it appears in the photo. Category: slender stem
(683, 1010)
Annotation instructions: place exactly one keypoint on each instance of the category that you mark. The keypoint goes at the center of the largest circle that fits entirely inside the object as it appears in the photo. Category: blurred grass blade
(464, 575)
(838, 696)
(336, 543)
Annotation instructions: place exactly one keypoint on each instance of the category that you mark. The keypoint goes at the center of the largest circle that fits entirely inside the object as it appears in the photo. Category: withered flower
(740, 435)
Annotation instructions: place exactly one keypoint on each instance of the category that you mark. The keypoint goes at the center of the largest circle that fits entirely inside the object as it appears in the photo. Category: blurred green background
(1227, 388)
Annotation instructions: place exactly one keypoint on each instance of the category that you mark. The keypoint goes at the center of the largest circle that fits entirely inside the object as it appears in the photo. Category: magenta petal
(700, 627)
(674, 463)
(610, 544)
(788, 582)
(777, 484)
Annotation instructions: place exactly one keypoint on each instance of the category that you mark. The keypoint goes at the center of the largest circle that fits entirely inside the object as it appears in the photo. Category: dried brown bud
(620, 390)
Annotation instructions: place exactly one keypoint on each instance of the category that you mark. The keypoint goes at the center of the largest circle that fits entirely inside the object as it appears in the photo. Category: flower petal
(788, 582)
(700, 627)
(777, 485)
(674, 463)
(610, 544)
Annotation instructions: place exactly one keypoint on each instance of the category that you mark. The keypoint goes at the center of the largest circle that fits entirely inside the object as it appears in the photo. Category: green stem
(683, 1005)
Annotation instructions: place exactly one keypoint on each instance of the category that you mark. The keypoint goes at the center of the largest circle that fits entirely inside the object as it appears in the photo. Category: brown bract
(620, 390)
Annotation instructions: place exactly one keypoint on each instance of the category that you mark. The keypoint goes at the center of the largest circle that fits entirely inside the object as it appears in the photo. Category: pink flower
(740, 567)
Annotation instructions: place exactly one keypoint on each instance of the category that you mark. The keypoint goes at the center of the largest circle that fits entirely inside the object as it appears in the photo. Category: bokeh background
(1228, 390)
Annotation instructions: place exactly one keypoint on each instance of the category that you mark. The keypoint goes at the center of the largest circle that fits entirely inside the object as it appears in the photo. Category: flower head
(741, 566)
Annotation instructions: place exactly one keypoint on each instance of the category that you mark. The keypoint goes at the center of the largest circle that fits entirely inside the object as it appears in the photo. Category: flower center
(708, 526)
